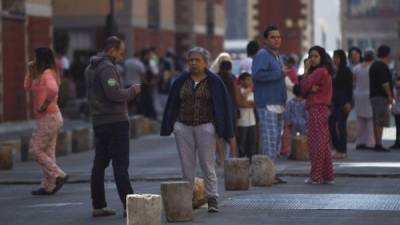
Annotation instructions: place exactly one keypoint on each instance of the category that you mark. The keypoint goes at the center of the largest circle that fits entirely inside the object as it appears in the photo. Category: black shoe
(42, 191)
(361, 147)
(380, 148)
(279, 180)
(60, 181)
(212, 205)
(395, 146)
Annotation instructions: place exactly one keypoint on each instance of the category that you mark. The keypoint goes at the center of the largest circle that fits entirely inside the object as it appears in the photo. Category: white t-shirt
(247, 117)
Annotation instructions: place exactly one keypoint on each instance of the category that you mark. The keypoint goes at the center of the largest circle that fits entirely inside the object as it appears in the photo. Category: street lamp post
(111, 26)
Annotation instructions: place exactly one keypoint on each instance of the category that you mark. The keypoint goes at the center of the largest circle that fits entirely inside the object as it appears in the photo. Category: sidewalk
(154, 158)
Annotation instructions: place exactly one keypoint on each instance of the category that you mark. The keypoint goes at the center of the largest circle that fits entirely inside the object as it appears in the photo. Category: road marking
(61, 204)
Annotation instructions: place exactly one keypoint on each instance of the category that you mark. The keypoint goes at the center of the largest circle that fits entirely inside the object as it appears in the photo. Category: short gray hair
(202, 51)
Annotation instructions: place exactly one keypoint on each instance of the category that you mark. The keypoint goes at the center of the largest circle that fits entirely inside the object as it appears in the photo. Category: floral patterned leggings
(43, 147)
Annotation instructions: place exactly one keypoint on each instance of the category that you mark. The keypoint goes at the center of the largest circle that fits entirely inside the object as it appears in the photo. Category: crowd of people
(206, 107)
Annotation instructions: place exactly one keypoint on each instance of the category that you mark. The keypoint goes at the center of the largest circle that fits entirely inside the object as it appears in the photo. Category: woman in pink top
(316, 87)
(42, 80)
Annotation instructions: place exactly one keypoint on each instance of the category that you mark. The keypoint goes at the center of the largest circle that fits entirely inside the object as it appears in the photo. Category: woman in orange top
(43, 81)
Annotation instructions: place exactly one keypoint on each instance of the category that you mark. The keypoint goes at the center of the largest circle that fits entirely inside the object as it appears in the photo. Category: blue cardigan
(268, 79)
(221, 102)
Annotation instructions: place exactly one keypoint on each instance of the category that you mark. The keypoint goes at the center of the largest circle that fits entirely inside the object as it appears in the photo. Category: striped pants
(271, 125)
(43, 147)
(318, 142)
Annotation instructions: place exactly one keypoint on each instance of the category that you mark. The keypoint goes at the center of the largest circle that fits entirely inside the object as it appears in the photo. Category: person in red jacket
(316, 87)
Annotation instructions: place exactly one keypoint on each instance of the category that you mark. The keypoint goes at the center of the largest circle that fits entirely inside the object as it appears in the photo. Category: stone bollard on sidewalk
(64, 143)
(25, 154)
(236, 173)
(143, 209)
(177, 200)
(81, 139)
(136, 126)
(263, 171)
(15, 145)
(6, 156)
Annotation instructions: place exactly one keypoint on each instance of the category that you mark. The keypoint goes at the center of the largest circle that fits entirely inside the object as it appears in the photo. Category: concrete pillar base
(64, 143)
(143, 209)
(6, 156)
(263, 171)
(177, 200)
(81, 139)
(236, 172)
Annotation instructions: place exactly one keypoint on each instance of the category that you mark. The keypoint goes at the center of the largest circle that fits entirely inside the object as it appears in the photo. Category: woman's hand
(44, 106)
(347, 107)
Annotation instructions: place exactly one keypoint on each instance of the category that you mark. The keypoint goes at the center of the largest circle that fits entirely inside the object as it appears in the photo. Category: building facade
(24, 26)
(161, 24)
(295, 20)
(366, 23)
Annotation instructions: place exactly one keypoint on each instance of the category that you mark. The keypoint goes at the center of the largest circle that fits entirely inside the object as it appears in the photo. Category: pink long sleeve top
(45, 87)
(321, 78)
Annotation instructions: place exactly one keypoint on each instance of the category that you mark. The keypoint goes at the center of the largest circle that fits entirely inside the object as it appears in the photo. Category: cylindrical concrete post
(16, 148)
(64, 143)
(263, 171)
(25, 154)
(6, 156)
(177, 200)
(143, 209)
(81, 139)
(236, 172)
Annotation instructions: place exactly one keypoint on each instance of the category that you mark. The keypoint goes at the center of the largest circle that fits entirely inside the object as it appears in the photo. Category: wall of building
(292, 19)
(23, 30)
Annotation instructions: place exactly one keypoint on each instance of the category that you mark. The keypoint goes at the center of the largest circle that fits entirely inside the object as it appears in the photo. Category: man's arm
(261, 69)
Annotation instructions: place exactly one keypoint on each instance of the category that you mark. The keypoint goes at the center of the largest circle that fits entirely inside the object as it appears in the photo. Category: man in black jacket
(108, 109)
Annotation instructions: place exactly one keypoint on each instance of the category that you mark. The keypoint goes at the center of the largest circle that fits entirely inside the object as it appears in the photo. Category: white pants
(198, 141)
(365, 132)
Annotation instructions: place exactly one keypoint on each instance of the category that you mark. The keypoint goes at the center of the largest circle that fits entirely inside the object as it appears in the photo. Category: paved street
(367, 191)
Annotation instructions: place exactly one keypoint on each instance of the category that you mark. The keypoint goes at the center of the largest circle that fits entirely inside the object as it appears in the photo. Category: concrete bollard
(6, 156)
(25, 154)
(177, 200)
(81, 138)
(15, 146)
(263, 171)
(146, 125)
(143, 209)
(236, 173)
(64, 143)
(300, 147)
(136, 123)
(199, 193)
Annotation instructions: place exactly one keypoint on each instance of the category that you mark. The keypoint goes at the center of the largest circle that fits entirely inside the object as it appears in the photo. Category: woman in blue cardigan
(198, 109)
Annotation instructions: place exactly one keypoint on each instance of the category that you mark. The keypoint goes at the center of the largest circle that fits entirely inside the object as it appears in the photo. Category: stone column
(263, 171)
(177, 200)
(64, 143)
(81, 138)
(6, 156)
(144, 209)
(236, 172)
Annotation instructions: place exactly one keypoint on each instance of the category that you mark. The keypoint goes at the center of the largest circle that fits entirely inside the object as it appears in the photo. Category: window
(14, 6)
(154, 14)
(210, 17)
(374, 8)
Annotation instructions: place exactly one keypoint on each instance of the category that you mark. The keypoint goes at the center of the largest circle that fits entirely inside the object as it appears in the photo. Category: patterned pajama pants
(43, 147)
(271, 125)
(318, 142)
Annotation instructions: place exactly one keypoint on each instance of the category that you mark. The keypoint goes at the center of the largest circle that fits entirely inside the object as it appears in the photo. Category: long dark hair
(326, 60)
(44, 59)
(342, 57)
(358, 50)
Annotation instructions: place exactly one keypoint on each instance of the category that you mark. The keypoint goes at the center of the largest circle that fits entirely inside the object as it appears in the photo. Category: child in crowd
(247, 120)
(296, 114)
